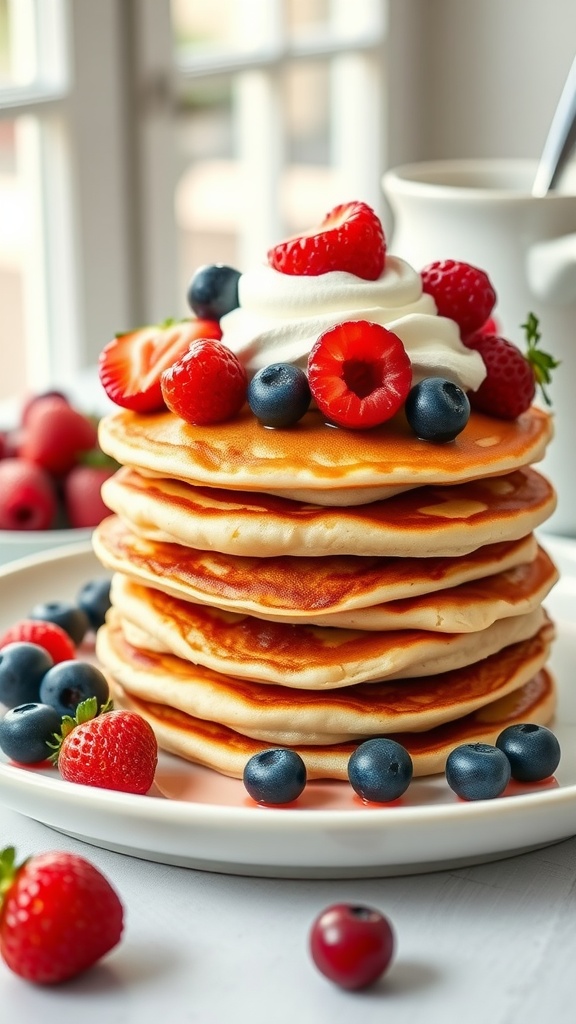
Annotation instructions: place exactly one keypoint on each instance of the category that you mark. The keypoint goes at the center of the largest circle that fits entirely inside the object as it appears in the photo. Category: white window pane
(12, 249)
(18, 35)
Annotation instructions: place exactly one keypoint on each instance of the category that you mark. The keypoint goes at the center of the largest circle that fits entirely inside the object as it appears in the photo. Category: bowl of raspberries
(51, 472)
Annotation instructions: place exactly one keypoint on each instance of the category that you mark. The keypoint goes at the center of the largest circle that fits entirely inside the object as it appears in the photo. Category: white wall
(476, 77)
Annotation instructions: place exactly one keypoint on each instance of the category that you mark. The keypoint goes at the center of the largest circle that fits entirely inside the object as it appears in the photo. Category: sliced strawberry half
(349, 238)
(131, 364)
(359, 374)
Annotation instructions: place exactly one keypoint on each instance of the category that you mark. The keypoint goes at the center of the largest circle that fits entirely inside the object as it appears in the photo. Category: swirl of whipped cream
(280, 317)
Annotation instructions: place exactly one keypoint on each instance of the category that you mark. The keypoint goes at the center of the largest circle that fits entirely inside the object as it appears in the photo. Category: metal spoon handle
(560, 140)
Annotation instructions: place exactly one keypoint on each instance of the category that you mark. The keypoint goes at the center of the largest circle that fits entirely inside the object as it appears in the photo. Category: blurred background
(142, 138)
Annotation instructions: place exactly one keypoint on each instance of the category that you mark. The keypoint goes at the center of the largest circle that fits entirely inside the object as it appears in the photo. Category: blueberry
(69, 682)
(65, 614)
(477, 771)
(25, 731)
(279, 394)
(94, 600)
(275, 776)
(532, 750)
(22, 667)
(380, 770)
(437, 409)
(213, 291)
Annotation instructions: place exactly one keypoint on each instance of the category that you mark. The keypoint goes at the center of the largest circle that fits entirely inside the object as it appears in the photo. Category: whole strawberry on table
(59, 915)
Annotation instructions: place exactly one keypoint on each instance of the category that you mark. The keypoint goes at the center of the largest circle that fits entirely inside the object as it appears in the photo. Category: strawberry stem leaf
(542, 363)
(85, 712)
(8, 870)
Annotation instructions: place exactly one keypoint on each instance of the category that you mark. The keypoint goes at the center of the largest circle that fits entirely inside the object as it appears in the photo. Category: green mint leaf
(542, 363)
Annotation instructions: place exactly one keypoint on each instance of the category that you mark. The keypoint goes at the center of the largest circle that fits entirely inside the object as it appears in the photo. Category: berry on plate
(107, 749)
(56, 435)
(48, 635)
(27, 496)
(352, 945)
(130, 366)
(67, 684)
(509, 386)
(27, 730)
(532, 750)
(380, 770)
(213, 291)
(461, 291)
(59, 915)
(275, 776)
(437, 409)
(94, 599)
(207, 385)
(477, 771)
(65, 614)
(279, 395)
(359, 374)
(350, 238)
(23, 665)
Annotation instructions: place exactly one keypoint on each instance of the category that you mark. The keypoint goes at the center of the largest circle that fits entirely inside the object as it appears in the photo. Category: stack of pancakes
(313, 587)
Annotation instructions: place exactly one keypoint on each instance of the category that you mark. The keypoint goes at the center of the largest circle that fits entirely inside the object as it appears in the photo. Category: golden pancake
(227, 751)
(278, 715)
(301, 656)
(427, 522)
(316, 461)
(334, 591)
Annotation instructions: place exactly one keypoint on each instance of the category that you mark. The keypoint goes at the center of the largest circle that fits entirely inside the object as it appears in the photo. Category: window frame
(100, 119)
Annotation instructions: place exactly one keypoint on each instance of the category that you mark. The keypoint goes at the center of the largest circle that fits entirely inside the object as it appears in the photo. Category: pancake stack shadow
(313, 587)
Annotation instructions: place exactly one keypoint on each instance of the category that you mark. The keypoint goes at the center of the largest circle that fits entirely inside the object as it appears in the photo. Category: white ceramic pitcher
(481, 211)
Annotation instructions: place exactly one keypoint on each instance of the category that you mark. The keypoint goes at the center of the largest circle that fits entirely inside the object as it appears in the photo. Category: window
(141, 138)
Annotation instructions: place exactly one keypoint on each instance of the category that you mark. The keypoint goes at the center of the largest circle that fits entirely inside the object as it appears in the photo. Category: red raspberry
(509, 386)
(207, 385)
(359, 374)
(48, 635)
(511, 378)
(82, 498)
(55, 435)
(490, 327)
(349, 238)
(462, 292)
(27, 496)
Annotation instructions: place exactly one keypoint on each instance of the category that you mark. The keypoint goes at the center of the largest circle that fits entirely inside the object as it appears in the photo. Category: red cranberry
(351, 945)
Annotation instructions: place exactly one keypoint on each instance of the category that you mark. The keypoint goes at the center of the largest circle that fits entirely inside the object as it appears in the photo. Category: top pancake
(316, 461)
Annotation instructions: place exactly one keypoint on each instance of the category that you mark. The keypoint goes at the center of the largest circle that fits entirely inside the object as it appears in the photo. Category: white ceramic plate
(16, 544)
(196, 818)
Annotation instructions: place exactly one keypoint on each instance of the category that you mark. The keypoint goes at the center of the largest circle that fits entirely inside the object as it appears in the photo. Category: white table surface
(492, 943)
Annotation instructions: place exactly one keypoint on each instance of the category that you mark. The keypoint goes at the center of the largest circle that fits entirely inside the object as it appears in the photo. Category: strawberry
(55, 435)
(511, 378)
(58, 915)
(350, 238)
(131, 365)
(82, 498)
(110, 749)
(48, 635)
(462, 292)
(207, 385)
(359, 374)
(27, 496)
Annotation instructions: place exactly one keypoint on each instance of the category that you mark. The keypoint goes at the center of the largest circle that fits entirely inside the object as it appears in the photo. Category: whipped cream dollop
(280, 317)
